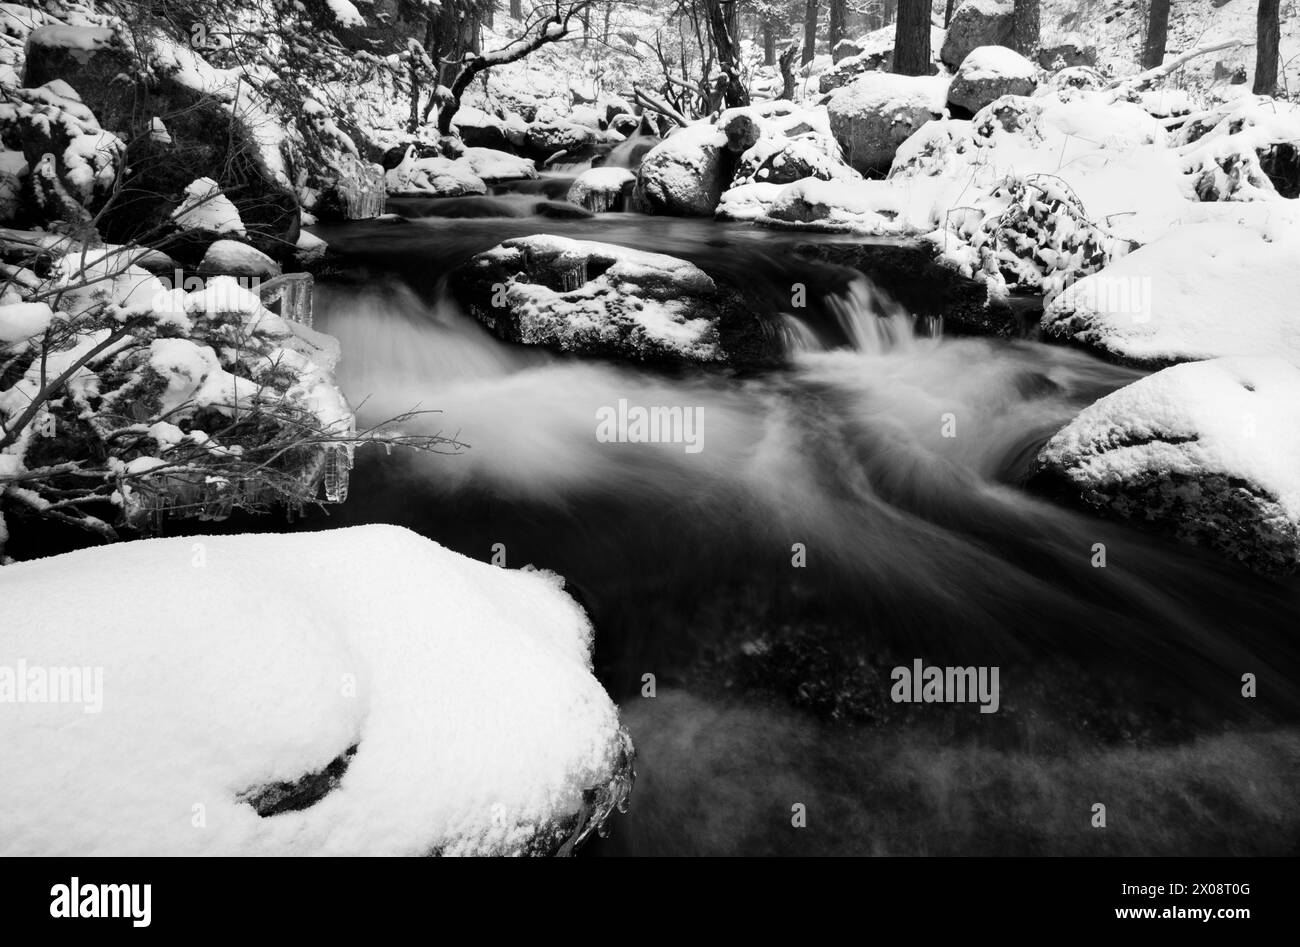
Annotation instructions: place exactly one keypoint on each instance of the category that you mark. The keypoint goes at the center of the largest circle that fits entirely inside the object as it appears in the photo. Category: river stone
(989, 73)
(602, 189)
(878, 111)
(232, 258)
(977, 23)
(683, 174)
(597, 299)
(1206, 451)
(544, 139)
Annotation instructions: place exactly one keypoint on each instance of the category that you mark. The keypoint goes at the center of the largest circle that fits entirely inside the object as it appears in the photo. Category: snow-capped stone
(682, 175)
(478, 129)
(602, 189)
(1067, 52)
(546, 139)
(1202, 291)
(779, 160)
(864, 207)
(19, 321)
(1209, 451)
(603, 300)
(988, 73)
(204, 208)
(309, 249)
(977, 23)
(492, 165)
(325, 709)
(434, 176)
(232, 258)
(877, 112)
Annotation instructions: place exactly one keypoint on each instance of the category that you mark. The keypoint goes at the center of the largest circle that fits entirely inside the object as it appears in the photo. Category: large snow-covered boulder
(987, 74)
(1209, 451)
(1202, 291)
(977, 23)
(683, 175)
(608, 301)
(877, 112)
(299, 695)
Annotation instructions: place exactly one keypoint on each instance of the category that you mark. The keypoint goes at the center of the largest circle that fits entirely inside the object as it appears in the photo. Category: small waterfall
(798, 337)
(875, 323)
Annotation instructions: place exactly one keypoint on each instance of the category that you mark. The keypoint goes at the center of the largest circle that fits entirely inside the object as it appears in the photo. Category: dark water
(1119, 685)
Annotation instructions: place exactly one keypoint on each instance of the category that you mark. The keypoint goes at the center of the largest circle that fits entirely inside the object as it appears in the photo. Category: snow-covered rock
(205, 209)
(232, 258)
(988, 73)
(326, 709)
(1202, 291)
(478, 129)
(877, 112)
(780, 160)
(1067, 52)
(1244, 150)
(492, 165)
(19, 321)
(603, 300)
(433, 176)
(682, 175)
(977, 23)
(863, 207)
(547, 139)
(602, 189)
(1209, 451)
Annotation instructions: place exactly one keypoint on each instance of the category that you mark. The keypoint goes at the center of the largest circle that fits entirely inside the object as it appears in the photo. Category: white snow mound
(233, 662)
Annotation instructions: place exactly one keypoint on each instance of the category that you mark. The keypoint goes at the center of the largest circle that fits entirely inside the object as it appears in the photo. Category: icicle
(293, 292)
(338, 464)
(575, 277)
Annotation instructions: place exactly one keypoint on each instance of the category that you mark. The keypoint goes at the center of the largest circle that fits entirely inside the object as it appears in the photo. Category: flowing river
(859, 510)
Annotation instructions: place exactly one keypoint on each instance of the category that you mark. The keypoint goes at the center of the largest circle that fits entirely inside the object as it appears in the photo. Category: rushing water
(890, 458)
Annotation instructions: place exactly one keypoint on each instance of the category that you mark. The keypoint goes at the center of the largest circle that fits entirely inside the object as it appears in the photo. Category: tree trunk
(912, 38)
(835, 28)
(1025, 33)
(809, 31)
(1267, 30)
(725, 33)
(947, 14)
(769, 44)
(786, 63)
(517, 9)
(1153, 51)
